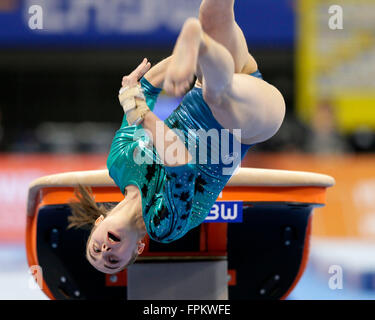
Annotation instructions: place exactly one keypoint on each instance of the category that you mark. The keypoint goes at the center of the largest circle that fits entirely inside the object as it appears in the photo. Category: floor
(16, 282)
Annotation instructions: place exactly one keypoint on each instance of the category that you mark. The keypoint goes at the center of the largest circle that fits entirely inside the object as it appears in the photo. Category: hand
(132, 79)
(131, 96)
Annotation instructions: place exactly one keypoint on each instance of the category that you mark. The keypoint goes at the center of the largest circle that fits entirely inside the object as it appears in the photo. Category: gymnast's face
(110, 248)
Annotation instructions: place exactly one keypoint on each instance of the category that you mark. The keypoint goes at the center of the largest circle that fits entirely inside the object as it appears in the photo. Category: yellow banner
(336, 61)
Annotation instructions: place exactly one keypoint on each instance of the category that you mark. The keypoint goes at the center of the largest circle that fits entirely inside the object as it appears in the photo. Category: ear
(99, 220)
(141, 247)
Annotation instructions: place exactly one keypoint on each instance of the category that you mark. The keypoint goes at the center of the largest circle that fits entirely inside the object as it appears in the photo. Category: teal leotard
(174, 199)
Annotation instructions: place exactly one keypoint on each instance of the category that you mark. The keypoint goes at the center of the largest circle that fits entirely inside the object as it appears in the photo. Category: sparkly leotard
(175, 199)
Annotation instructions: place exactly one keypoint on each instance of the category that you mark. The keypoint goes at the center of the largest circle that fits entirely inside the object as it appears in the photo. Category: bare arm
(156, 74)
(178, 154)
(169, 146)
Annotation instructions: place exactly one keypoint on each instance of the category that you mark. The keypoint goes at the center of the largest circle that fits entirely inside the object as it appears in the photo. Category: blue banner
(225, 211)
(131, 23)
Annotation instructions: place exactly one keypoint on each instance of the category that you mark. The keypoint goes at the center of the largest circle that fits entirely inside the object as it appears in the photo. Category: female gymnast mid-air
(168, 189)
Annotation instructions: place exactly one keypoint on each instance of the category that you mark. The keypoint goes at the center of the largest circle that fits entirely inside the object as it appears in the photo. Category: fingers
(185, 86)
(133, 78)
(141, 69)
(145, 69)
(125, 81)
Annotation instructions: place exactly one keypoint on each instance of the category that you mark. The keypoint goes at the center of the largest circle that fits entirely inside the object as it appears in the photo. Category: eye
(113, 238)
(95, 248)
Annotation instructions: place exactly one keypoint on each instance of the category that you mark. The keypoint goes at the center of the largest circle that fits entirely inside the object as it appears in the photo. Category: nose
(105, 247)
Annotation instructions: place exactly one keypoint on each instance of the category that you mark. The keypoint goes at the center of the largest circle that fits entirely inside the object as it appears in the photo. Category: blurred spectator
(8, 5)
(69, 137)
(56, 137)
(24, 141)
(324, 136)
(363, 140)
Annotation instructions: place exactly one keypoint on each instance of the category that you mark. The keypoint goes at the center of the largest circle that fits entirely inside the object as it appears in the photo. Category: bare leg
(237, 101)
(218, 21)
(192, 44)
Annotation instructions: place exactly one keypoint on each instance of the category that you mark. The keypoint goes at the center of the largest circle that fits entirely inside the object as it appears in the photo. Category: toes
(179, 91)
(186, 85)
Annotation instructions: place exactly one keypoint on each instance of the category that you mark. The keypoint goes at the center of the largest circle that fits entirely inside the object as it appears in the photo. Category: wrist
(137, 115)
(147, 116)
(134, 104)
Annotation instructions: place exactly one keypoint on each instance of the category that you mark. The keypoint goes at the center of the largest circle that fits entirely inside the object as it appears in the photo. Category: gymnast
(173, 193)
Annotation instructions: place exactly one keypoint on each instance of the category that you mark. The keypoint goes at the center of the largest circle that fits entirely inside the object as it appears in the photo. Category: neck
(131, 209)
(132, 192)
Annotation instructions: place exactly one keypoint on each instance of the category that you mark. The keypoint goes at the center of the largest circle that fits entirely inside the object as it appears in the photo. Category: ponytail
(85, 211)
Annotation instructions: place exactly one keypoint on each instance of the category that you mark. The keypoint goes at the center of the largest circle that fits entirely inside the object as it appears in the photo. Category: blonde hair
(86, 211)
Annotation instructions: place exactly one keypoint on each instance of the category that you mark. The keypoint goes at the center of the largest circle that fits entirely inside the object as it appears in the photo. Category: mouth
(112, 237)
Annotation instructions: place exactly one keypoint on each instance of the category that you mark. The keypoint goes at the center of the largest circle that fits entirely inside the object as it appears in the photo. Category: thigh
(251, 105)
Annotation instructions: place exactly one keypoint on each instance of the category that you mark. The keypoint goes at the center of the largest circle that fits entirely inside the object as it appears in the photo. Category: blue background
(266, 23)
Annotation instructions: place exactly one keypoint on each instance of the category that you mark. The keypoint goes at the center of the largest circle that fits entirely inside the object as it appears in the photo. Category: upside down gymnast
(173, 193)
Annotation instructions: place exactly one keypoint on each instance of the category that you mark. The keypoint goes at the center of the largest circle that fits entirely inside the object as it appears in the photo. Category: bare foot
(182, 68)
